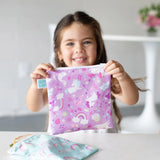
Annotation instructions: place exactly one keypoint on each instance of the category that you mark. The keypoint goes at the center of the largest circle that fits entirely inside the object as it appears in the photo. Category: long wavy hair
(85, 19)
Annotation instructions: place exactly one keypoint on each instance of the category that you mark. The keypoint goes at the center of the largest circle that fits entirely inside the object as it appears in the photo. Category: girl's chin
(80, 64)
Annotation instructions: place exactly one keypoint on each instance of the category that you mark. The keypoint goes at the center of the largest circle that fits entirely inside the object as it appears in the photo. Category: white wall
(25, 41)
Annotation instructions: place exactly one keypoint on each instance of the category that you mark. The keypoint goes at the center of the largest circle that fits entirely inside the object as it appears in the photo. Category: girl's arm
(128, 90)
(37, 98)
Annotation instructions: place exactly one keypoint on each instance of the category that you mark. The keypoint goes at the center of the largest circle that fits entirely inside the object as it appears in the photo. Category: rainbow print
(80, 118)
(75, 146)
(58, 108)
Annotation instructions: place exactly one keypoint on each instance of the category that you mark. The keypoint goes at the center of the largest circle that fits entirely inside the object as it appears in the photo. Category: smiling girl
(78, 42)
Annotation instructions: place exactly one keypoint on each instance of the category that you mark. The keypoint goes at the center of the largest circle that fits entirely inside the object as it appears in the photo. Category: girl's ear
(60, 55)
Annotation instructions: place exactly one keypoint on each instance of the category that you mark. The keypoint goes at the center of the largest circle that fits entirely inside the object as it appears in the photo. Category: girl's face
(78, 46)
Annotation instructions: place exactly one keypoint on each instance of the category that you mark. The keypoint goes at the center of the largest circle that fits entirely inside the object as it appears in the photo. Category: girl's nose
(79, 48)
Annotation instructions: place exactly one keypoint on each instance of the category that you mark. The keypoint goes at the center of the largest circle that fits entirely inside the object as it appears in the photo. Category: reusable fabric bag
(49, 147)
(79, 99)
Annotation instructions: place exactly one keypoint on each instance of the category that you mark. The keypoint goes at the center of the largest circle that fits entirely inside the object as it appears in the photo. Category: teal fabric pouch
(49, 147)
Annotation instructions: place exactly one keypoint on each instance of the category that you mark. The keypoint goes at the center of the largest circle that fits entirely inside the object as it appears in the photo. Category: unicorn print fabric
(79, 99)
(42, 147)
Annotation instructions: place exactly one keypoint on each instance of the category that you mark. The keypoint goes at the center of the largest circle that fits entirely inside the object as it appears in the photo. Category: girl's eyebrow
(68, 40)
(82, 39)
(88, 38)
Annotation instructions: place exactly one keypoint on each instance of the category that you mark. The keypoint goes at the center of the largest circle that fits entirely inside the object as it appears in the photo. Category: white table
(111, 146)
(148, 121)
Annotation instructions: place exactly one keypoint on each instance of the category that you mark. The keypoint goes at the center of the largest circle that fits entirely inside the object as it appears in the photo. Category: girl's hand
(40, 72)
(115, 69)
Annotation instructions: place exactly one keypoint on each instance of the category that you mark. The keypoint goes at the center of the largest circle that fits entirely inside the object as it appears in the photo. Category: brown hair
(85, 19)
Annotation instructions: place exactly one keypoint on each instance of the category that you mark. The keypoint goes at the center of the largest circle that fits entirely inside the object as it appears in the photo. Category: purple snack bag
(79, 99)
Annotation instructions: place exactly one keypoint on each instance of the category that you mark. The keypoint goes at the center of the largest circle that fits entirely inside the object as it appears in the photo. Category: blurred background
(25, 42)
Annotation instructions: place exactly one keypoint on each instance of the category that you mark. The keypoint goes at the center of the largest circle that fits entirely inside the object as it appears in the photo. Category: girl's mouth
(79, 59)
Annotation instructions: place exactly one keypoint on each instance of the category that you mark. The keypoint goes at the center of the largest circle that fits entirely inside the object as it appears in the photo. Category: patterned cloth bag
(49, 147)
(79, 99)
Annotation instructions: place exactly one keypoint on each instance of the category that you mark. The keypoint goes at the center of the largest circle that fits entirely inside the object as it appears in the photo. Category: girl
(78, 42)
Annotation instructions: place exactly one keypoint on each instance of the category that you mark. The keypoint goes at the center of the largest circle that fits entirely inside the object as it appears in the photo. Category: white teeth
(78, 59)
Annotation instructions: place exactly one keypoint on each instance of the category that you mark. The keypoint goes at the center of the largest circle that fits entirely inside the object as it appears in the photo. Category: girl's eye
(87, 42)
(70, 44)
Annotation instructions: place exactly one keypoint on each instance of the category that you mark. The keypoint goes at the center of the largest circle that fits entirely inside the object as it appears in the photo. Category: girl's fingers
(35, 76)
(46, 67)
(51, 68)
(115, 71)
(112, 66)
(117, 75)
(42, 73)
(109, 63)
